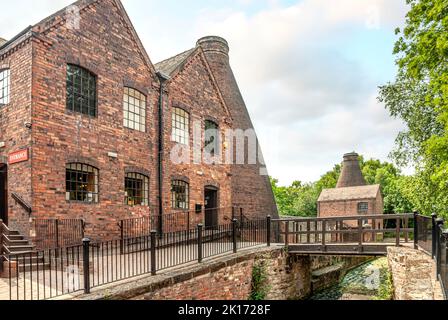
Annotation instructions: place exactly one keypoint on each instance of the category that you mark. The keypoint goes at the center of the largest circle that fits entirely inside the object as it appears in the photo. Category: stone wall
(414, 275)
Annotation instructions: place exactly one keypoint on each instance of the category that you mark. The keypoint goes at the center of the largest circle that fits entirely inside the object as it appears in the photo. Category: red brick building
(88, 126)
(352, 196)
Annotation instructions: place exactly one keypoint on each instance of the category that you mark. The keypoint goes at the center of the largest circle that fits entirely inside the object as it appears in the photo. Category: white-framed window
(181, 126)
(5, 86)
(134, 109)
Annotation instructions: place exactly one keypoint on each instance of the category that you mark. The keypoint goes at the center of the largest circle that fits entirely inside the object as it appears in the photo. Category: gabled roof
(60, 16)
(350, 193)
(170, 65)
(174, 65)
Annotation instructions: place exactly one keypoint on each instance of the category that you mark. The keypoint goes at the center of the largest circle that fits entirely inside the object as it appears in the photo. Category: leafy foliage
(259, 282)
(419, 97)
(301, 199)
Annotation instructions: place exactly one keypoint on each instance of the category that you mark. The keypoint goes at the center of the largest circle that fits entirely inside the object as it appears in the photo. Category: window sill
(82, 202)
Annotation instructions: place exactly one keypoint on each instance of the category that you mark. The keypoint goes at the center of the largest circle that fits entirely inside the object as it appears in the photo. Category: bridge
(349, 235)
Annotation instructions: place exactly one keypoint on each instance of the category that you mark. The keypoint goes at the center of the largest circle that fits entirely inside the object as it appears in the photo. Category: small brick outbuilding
(352, 196)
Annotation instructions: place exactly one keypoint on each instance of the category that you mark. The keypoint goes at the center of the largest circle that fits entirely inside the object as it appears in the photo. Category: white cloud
(309, 100)
(300, 86)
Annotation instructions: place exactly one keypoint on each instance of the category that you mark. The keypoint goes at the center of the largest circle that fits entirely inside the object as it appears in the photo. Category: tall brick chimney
(351, 175)
(251, 190)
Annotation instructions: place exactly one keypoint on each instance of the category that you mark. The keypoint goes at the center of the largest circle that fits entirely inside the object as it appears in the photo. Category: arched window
(211, 138)
(180, 195)
(81, 91)
(181, 126)
(137, 189)
(81, 183)
(134, 108)
(4, 86)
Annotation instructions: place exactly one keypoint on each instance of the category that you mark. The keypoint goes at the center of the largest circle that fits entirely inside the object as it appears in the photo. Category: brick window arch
(81, 90)
(5, 86)
(82, 183)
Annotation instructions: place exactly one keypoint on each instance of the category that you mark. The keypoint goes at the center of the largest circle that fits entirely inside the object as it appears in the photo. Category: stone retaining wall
(414, 275)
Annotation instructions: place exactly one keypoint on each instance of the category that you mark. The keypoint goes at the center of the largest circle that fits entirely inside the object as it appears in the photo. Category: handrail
(363, 217)
(25, 205)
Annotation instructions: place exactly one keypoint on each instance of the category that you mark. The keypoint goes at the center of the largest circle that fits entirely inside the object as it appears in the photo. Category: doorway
(211, 207)
(4, 193)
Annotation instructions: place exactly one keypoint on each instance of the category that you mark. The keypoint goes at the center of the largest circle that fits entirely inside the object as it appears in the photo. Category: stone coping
(130, 288)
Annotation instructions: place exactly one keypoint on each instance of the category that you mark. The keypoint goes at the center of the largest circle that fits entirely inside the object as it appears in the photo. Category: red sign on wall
(18, 156)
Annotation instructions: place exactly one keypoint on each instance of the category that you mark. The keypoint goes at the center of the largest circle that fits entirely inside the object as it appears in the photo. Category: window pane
(134, 103)
(4, 86)
(81, 91)
(180, 126)
(137, 189)
(81, 183)
(180, 195)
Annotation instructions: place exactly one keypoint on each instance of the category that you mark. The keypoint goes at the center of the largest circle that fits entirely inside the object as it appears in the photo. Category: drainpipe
(162, 78)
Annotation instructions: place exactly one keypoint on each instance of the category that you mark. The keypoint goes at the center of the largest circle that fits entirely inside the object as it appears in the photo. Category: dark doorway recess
(211, 207)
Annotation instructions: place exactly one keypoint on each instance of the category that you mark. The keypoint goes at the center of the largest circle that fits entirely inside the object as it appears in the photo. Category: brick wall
(105, 46)
(13, 131)
(289, 277)
(250, 189)
(193, 90)
(350, 208)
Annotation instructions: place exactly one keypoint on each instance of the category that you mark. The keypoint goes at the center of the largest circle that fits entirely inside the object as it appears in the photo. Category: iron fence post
(234, 238)
(200, 227)
(439, 225)
(153, 252)
(121, 237)
(86, 264)
(434, 234)
(416, 230)
(268, 230)
(83, 228)
(56, 222)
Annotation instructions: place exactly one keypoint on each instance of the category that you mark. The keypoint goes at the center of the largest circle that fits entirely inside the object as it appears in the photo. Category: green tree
(419, 97)
(399, 191)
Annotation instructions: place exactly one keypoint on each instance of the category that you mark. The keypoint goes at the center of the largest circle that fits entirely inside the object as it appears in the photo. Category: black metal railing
(424, 233)
(142, 226)
(440, 252)
(40, 275)
(47, 274)
(57, 233)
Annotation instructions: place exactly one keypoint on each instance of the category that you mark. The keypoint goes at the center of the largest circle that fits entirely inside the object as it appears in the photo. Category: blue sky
(309, 70)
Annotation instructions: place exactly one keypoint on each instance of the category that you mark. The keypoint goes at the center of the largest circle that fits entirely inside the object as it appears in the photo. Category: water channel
(370, 281)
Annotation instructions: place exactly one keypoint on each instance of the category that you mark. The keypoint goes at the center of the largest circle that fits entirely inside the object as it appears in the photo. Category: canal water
(370, 281)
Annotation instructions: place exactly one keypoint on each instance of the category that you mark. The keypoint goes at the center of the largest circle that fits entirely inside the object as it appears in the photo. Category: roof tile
(350, 193)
